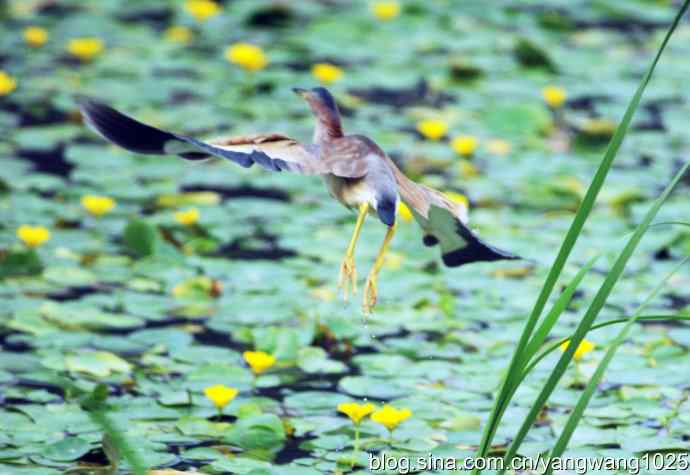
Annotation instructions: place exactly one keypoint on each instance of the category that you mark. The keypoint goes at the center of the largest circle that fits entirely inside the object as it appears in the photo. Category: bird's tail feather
(443, 223)
(133, 135)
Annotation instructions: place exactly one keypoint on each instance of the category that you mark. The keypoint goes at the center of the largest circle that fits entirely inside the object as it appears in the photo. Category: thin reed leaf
(558, 307)
(94, 405)
(590, 315)
(587, 394)
(118, 439)
(518, 360)
(557, 343)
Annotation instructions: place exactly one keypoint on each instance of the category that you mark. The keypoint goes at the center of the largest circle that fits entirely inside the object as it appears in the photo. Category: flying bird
(356, 171)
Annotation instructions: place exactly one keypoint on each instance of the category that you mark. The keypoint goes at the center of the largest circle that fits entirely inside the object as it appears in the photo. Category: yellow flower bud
(7, 83)
(356, 412)
(202, 10)
(259, 361)
(188, 217)
(432, 129)
(248, 56)
(404, 212)
(178, 34)
(554, 96)
(97, 205)
(583, 348)
(458, 198)
(85, 48)
(220, 395)
(326, 73)
(390, 417)
(35, 36)
(33, 236)
(465, 145)
(386, 10)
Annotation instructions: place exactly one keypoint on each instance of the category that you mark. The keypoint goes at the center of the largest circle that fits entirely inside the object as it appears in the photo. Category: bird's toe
(370, 295)
(347, 280)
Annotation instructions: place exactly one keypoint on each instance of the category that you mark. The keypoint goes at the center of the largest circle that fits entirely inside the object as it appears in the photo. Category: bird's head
(319, 99)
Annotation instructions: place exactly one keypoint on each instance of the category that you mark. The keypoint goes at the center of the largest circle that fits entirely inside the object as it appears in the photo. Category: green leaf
(16, 263)
(141, 238)
(66, 450)
(97, 363)
(263, 431)
(530, 55)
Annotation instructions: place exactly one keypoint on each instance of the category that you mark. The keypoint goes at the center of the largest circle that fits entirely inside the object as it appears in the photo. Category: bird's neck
(327, 128)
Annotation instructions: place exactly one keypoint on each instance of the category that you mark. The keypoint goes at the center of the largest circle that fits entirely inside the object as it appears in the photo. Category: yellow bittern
(356, 171)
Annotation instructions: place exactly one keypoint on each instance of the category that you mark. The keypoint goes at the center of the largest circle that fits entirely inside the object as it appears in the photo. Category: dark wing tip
(476, 251)
(121, 129)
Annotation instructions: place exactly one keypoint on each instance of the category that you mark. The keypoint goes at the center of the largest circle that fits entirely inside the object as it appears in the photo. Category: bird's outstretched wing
(443, 223)
(274, 152)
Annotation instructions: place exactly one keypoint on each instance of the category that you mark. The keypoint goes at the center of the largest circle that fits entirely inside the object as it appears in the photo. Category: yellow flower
(202, 10)
(458, 198)
(220, 395)
(390, 417)
(187, 217)
(250, 57)
(259, 361)
(467, 169)
(326, 72)
(465, 145)
(554, 96)
(178, 34)
(33, 236)
(35, 36)
(432, 129)
(498, 147)
(404, 212)
(97, 205)
(7, 83)
(356, 412)
(385, 10)
(583, 348)
(85, 48)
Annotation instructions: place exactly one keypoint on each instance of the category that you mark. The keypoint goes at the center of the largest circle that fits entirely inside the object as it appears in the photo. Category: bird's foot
(348, 277)
(370, 295)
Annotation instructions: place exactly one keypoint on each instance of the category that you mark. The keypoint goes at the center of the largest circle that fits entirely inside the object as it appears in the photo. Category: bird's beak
(304, 93)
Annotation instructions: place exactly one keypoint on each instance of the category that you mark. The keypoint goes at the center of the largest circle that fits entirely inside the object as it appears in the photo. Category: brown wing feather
(346, 156)
(420, 198)
(275, 152)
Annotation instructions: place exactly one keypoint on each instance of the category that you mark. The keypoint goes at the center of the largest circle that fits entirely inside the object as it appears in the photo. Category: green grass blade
(550, 320)
(558, 307)
(591, 314)
(557, 343)
(100, 417)
(587, 394)
(94, 405)
(518, 361)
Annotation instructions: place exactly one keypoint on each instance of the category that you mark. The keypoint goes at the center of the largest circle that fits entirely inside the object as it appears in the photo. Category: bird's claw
(348, 277)
(370, 295)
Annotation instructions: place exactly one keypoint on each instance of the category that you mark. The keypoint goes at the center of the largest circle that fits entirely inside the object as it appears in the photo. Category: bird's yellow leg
(348, 273)
(370, 289)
